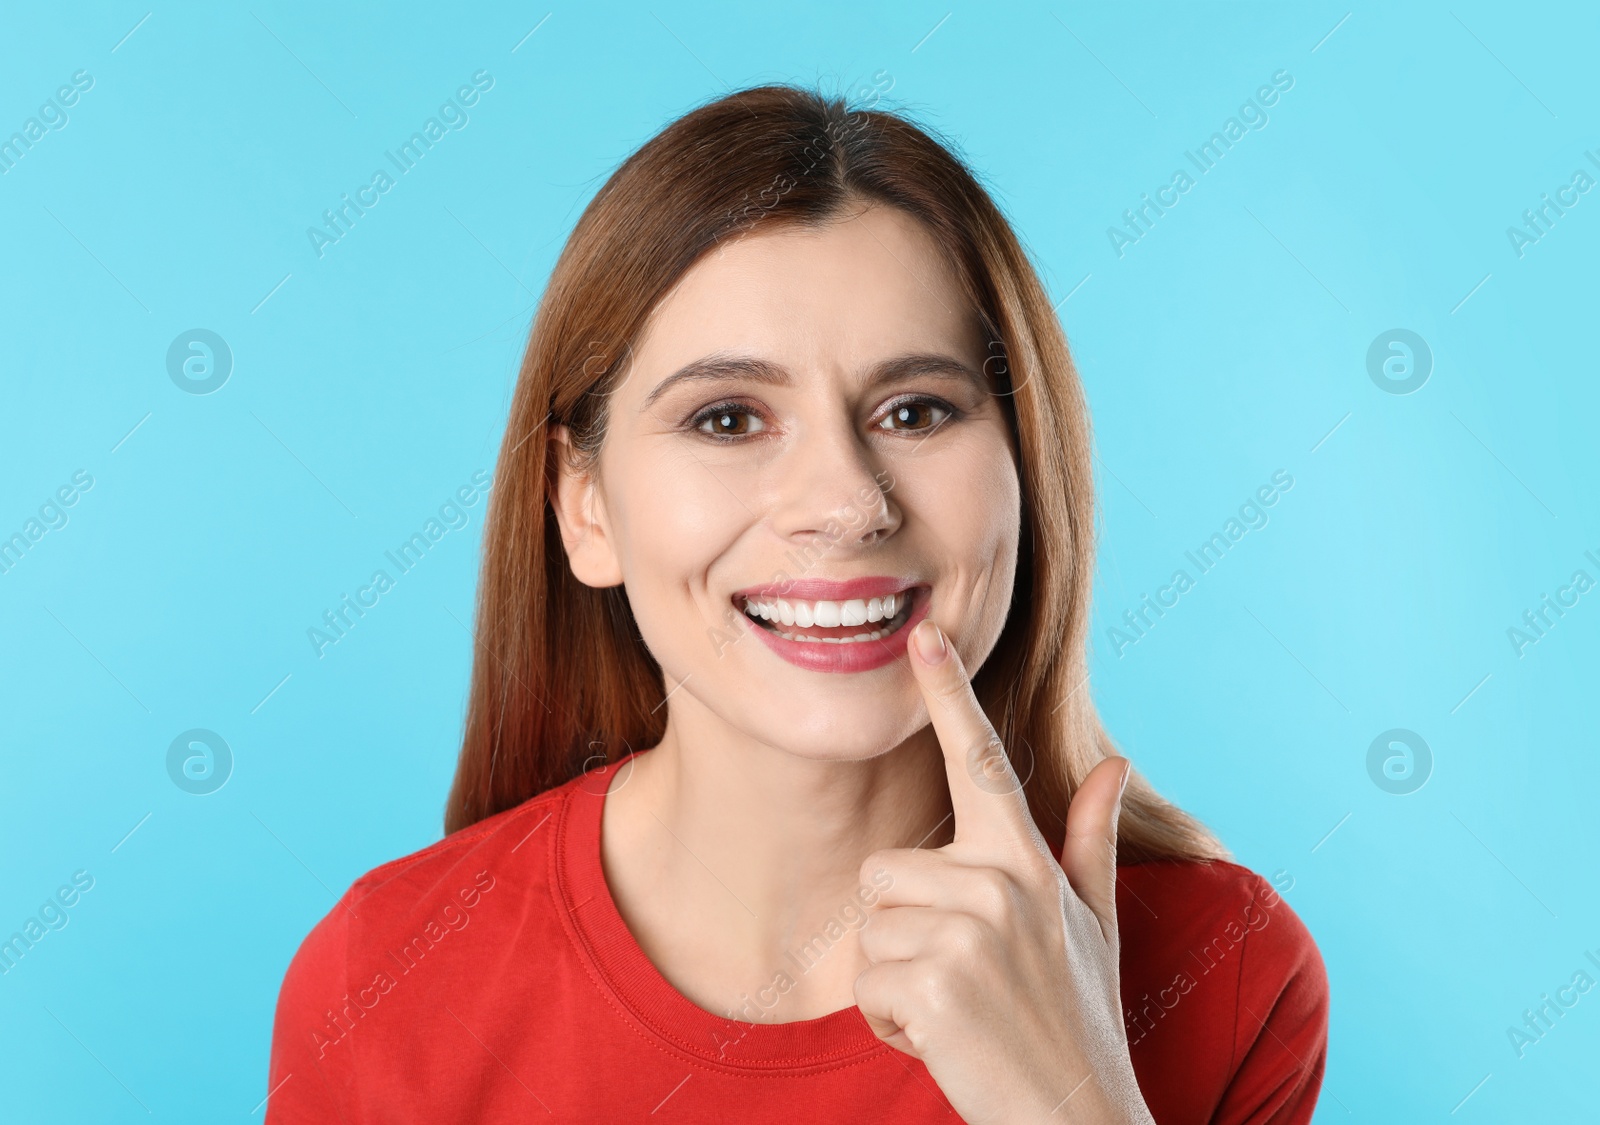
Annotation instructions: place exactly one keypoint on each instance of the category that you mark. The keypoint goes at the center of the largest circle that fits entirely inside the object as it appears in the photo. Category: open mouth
(856, 621)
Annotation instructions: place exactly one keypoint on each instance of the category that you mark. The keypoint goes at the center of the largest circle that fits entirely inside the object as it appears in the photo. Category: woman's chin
(838, 741)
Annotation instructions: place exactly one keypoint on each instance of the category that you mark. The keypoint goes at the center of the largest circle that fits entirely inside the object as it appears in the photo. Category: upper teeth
(858, 611)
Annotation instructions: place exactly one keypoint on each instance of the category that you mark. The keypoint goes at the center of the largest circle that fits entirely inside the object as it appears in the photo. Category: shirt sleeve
(311, 1077)
(1280, 1040)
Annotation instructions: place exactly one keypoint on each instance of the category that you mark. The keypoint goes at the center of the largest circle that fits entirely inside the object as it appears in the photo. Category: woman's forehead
(843, 295)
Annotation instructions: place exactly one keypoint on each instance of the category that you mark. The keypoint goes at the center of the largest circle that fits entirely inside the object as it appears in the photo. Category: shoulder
(407, 906)
(1222, 980)
(518, 832)
(1193, 903)
(393, 919)
(463, 866)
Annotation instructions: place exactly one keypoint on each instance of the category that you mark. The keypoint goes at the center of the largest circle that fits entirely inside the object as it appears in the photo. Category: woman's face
(806, 431)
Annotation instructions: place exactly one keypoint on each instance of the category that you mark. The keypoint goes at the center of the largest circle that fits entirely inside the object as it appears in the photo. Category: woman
(797, 449)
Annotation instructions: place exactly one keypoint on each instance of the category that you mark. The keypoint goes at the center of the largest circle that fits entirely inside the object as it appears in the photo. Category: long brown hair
(561, 679)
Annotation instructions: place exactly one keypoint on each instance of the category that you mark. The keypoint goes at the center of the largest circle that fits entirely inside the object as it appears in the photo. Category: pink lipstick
(851, 625)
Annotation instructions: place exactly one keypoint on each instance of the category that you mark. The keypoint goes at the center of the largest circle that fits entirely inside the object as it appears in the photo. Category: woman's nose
(831, 487)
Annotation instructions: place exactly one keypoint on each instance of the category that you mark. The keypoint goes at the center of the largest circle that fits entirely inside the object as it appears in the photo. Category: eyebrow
(721, 368)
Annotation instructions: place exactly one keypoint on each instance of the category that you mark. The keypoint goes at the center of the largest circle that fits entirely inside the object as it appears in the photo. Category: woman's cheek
(674, 527)
(679, 510)
(972, 504)
(970, 511)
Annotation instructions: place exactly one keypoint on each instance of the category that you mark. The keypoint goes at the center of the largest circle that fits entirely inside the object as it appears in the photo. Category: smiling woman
(852, 430)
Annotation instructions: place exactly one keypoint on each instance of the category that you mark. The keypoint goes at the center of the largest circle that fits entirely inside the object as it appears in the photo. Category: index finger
(985, 794)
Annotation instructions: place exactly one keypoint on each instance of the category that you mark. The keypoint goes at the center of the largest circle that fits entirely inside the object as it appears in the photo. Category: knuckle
(932, 990)
(966, 937)
(876, 868)
(987, 744)
(956, 698)
(1038, 867)
(871, 940)
(988, 763)
(953, 688)
(993, 894)
(866, 986)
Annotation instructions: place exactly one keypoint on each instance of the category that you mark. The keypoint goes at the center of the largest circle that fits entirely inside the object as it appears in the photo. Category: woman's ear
(580, 511)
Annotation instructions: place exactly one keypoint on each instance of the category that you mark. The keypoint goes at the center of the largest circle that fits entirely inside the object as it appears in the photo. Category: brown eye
(728, 421)
(915, 415)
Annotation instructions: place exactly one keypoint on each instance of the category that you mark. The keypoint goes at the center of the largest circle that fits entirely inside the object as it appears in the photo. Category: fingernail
(930, 642)
(1127, 772)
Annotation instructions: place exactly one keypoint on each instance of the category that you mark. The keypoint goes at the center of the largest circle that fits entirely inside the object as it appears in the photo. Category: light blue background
(371, 383)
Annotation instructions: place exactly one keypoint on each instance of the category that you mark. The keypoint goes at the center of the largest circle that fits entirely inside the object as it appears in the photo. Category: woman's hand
(990, 963)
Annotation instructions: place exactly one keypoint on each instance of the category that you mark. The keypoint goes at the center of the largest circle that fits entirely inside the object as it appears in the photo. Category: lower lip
(855, 656)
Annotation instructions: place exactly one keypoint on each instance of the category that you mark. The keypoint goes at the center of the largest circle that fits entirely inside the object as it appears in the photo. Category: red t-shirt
(489, 978)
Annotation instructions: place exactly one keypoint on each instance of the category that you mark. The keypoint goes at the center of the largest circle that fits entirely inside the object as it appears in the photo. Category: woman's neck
(729, 860)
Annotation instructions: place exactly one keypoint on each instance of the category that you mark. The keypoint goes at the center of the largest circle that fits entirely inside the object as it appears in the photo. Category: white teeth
(859, 637)
(827, 615)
